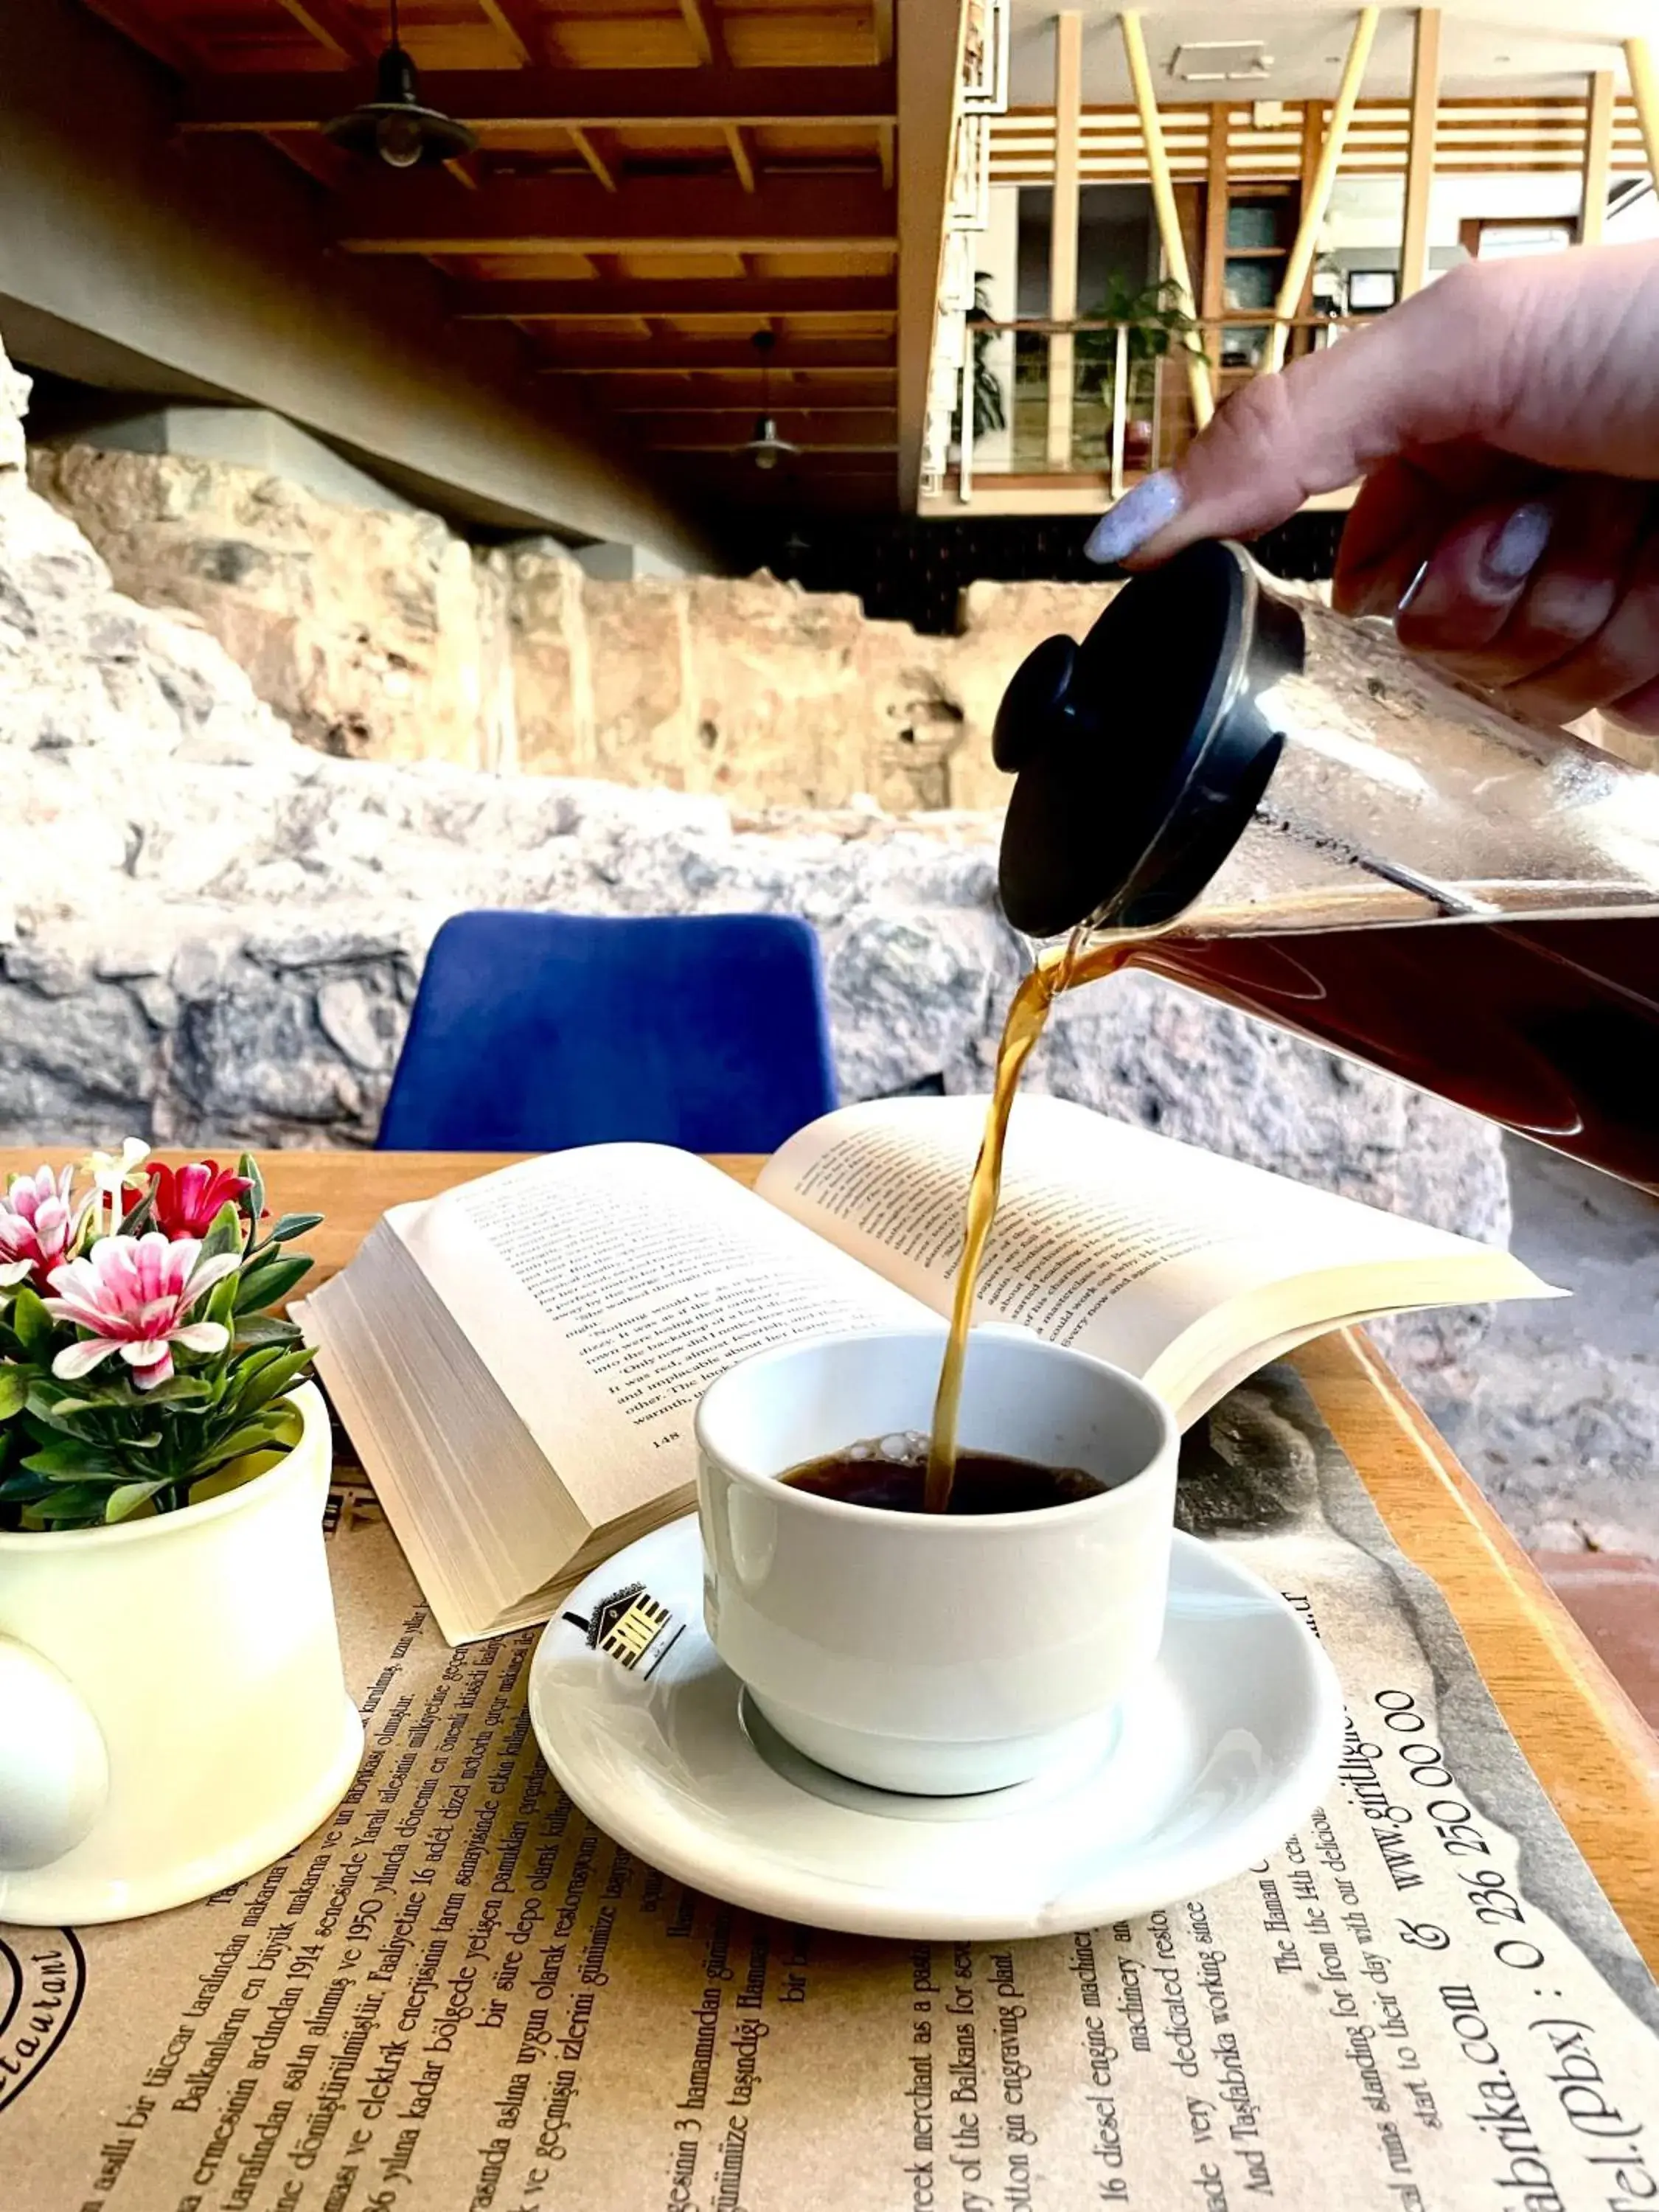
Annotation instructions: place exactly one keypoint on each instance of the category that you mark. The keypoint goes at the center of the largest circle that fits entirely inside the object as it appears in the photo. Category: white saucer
(1229, 1742)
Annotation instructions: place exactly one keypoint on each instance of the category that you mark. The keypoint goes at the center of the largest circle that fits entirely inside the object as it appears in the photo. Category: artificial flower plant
(139, 1354)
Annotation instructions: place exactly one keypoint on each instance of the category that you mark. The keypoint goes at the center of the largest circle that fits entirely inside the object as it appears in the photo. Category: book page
(604, 1289)
(1165, 1259)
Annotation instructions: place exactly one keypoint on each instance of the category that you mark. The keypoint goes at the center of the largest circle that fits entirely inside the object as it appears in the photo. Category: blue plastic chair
(532, 1032)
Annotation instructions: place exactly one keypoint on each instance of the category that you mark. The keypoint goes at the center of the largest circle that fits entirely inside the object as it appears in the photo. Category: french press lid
(1140, 755)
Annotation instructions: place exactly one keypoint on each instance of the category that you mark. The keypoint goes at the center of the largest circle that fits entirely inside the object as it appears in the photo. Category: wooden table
(1586, 1741)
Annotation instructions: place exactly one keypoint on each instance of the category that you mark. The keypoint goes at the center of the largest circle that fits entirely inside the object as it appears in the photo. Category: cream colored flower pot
(172, 1712)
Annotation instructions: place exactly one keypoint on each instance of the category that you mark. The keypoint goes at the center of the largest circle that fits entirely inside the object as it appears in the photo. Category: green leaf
(221, 1301)
(73, 1505)
(268, 1280)
(70, 1461)
(140, 1214)
(33, 1325)
(253, 1199)
(292, 1225)
(281, 1375)
(225, 1234)
(127, 1497)
(180, 1390)
(14, 1391)
(258, 1330)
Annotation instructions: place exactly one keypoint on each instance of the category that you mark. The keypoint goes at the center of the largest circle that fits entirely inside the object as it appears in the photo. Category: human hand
(1505, 422)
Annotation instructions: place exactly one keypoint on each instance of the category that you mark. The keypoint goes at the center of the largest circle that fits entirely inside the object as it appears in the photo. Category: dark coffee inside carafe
(1550, 1027)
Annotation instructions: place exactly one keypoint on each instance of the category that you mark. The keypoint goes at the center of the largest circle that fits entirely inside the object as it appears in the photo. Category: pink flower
(134, 1294)
(37, 1226)
(187, 1199)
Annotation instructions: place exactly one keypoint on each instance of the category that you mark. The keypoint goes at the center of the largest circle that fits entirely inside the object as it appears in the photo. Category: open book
(518, 1361)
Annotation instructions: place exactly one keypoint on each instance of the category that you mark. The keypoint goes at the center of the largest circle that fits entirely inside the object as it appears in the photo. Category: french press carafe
(1295, 817)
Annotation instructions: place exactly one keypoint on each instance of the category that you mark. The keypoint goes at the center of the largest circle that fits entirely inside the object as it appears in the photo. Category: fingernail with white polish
(1139, 515)
(1413, 588)
(1519, 545)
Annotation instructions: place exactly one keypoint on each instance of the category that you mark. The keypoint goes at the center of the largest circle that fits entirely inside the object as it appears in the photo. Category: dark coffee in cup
(985, 1482)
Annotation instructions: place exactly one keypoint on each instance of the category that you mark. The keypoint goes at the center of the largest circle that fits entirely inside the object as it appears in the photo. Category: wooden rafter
(137, 24)
(881, 29)
(591, 154)
(742, 161)
(417, 214)
(1419, 151)
(1164, 203)
(713, 358)
(708, 34)
(753, 299)
(333, 26)
(1062, 232)
(522, 25)
(614, 100)
(1316, 202)
(1598, 159)
(854, 439)
(670, 394)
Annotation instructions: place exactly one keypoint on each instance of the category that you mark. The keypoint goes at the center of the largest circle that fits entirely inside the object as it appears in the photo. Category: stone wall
(382, 635)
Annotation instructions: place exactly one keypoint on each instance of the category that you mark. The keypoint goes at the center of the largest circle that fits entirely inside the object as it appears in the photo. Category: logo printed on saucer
(625, 1626)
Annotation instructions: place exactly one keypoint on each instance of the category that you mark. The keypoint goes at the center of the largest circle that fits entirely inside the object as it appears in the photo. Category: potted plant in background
(1157, 325)
(172, 1710)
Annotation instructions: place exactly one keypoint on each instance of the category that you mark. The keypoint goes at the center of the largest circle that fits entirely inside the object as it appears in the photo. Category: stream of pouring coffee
(1055, 971)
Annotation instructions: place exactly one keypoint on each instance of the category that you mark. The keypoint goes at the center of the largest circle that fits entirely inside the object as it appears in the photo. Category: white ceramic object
(1227, 1741)
(924, 1651)
(172, 1712)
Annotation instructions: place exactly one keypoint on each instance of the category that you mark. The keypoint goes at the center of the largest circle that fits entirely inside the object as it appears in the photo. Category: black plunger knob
(1140, 755)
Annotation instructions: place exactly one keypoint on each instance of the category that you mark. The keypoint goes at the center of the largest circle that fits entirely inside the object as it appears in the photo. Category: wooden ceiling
(655, 182)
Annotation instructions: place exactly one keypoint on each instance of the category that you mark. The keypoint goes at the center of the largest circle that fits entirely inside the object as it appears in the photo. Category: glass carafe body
(1296, 818)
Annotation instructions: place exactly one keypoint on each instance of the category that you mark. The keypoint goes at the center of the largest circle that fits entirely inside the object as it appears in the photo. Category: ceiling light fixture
(766, 448)
(396, 127)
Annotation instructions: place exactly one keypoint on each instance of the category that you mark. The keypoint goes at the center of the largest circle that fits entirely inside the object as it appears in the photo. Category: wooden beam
(872, 391)
(1062, 233)
(865, 429)
(857, 440)
(1644, 91)
(323, 164)
(590, 154)
(715, 359)
(1213, 280)
(751, 300)
(136, 24)
(740, 157)
(930, 50)
(884, 137)
(1598, 159)
(1164, 203)
(603, 99)
(708, 35)
(1419, 151)
(522, 27)
(881, 29)
(333, 26)
(1316, 203)
(419, 214)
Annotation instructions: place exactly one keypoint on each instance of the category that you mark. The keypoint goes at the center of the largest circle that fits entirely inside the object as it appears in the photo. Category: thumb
(1425, 372)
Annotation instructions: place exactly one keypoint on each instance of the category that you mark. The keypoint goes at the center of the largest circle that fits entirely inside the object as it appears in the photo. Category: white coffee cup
(934, 1653)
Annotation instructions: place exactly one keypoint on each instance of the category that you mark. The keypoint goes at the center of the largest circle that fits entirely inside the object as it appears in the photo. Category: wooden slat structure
(1472, 137)
(655, 182)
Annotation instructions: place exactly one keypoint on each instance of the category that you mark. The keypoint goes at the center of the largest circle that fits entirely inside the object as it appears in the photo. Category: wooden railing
(1100, 445)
